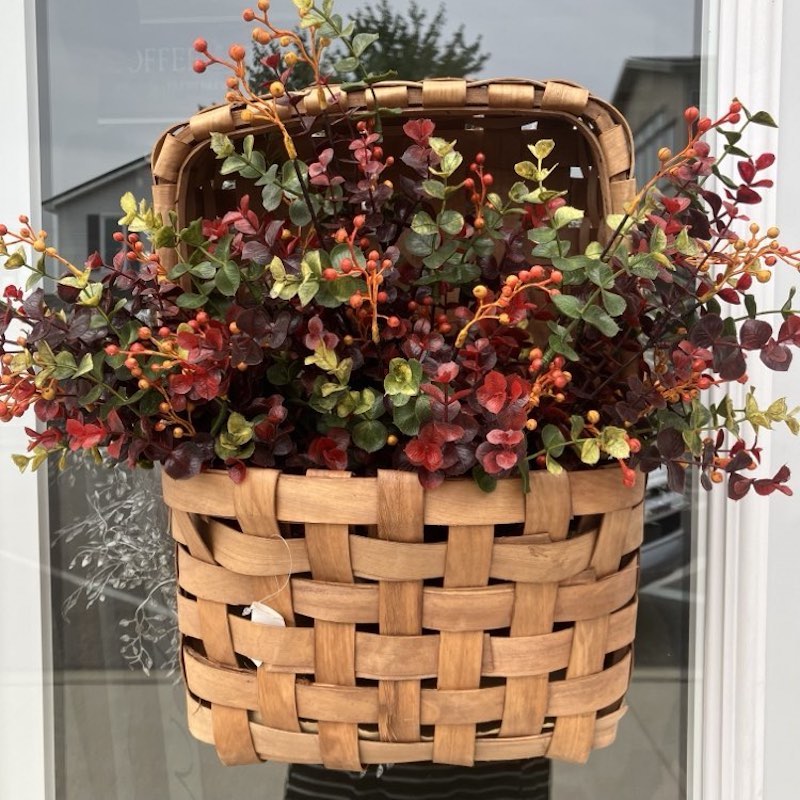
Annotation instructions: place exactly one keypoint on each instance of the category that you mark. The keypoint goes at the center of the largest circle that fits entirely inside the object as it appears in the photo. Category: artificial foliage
(365, 309)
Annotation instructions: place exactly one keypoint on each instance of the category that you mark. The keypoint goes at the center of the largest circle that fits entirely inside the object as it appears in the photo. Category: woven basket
(448, 626)
(594, 147)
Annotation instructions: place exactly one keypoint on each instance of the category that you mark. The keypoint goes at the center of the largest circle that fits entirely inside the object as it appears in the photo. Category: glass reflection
(113, 76)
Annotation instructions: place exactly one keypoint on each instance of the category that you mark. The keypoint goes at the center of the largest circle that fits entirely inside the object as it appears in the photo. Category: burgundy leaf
(738, 486)
(741, 460)
(765, 160)
(256, 252)
(764, 486)
(782, 475)
(706, 331)
(729, 361)
(776, 356)
(790, 330)
(754, 334)
(670, 443)
(747, 196)
(187, 458)
(747, 170)
(729, 295)
(237, 471)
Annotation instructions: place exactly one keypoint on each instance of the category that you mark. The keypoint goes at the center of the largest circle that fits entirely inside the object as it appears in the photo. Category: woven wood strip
(395, 561)
(215, 631)
(232, 736)
(331, 99)
(442, 609)
(400, 519)
(616, 150)
(444, 93)
(211, 494)
(164, 197)
(388, 97)
(256, 555)
(254, 503)
(548, 506)
(354, 705)
(468, 561)
(622, 192)
(334, 642)
(184, 530)
(170, 158)
(303, 748)
(383, 656)
(213, 120)
(560, 96)
(535, 598)
(573, 735)
(511, 95)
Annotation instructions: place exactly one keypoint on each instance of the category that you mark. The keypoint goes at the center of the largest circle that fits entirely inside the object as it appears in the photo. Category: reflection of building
(86, 215)
(652, 93)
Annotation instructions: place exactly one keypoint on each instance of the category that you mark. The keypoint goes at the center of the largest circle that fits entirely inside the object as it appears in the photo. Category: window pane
(114, 75)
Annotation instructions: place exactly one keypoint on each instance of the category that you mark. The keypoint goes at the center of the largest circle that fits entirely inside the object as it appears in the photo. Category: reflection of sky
(120, 72)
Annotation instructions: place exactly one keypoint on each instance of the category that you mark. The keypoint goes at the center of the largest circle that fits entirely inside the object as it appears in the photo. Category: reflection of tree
(411, 44)
(124, 551)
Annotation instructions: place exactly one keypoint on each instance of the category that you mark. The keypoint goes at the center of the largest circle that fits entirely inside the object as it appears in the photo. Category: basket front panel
(406, 639)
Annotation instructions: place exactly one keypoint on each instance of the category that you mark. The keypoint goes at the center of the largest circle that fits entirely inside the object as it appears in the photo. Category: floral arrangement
(393, 310)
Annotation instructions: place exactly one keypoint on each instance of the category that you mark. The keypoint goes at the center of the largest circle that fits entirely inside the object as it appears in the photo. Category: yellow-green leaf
(542, 148)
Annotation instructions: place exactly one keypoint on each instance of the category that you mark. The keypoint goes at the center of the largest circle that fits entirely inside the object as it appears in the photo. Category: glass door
(112, 76)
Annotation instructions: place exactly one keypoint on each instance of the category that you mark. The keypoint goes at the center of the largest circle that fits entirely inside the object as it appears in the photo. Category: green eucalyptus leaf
(560, 345)
(434, 189)
(228, 278)
(191, 300)
(553, 440)
(411, 417)
(370, 435)
(600, 274)
(299, 213)
(423, 224)
(361, 41)
(486, 482)
(205, 270)
(613, 303)
(450, 222)
(598, 318)
(271, 196)
(348, 64)
(569, 305)
(644, 265)
(438, 257)
(590, 451)
(658, 240)
(566, 215)
(92, 396)
(763, 118)
(542, 148)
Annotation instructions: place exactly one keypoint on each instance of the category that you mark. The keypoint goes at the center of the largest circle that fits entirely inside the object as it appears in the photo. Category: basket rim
(596, 112)
(213, 493)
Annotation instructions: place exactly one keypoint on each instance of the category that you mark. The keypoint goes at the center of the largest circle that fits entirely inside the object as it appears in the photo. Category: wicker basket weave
(448, 626)
(443, 625)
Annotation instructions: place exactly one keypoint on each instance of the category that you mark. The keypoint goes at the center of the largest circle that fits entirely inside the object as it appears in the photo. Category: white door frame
(743, 54)
(26, 729)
